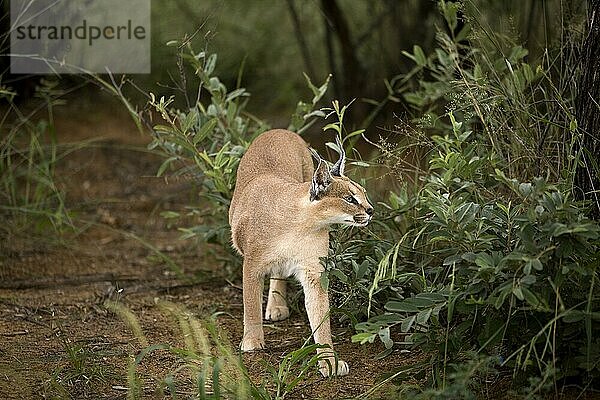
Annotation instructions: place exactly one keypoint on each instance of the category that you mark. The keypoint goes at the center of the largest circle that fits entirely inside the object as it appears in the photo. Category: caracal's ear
(338, 167)
(321, 178)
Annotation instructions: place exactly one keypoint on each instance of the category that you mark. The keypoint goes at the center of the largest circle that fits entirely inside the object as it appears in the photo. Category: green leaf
(525, 189)
(503, 293)
(400, 306)
(573, 125)
(170, 214)
(528, 280)
(572, 316)
(423, 316)
(384, 336)
(334, 125)
(363, 338)
(407, 54)
(453, 259)
(518, 292)
(325, 281)
(413, 304)
(164, 165)
(189, 120)
(235, 94)
(419, 56)
(450, 10)
(528, 73)
(362, 269)
(415, 99)
(432, 296)
(209, 67)
(484, 260)
(464, 33)
(162, 128)
(398, 201)
(332, 146)
(450, 312)
(318, 92)
(407, 323)
(352, 134)
(340, 275)
(360, 164)
(207, 128)
(530, 298)
(466, 213)
(384, 354)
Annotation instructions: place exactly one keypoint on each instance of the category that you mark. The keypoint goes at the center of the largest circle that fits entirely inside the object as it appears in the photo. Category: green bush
(503, 262)
(507, 268)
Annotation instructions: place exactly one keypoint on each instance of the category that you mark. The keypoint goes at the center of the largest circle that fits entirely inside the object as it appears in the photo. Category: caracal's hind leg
(277, 308)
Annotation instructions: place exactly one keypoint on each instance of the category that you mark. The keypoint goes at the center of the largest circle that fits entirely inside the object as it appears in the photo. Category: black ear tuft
(321, 178)
(338, 167)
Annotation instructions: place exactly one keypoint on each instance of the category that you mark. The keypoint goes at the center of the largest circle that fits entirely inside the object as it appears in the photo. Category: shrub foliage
(504, 261)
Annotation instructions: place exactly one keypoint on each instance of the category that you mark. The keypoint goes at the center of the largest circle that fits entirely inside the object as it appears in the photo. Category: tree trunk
(352, 82)
(310, 70)
(587, 112)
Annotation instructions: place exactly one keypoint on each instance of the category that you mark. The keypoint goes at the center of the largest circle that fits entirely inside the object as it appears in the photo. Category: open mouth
(361, 221)
(358, 220)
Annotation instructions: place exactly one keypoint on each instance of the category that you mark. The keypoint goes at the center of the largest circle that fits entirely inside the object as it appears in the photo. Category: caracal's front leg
(253, 281)
(317, 307)
(277, 308)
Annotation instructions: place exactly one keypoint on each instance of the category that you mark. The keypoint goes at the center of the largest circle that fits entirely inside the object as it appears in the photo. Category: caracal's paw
(250, 343)
(276, 313)
(328, 368)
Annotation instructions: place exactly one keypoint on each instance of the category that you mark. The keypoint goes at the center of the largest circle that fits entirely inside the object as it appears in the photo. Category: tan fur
(281, 232)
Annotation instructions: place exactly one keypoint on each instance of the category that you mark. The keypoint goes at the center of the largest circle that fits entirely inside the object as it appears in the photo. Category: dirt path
(57, 339)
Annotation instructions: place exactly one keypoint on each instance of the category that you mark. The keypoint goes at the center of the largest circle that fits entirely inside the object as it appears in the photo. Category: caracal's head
(338, 199)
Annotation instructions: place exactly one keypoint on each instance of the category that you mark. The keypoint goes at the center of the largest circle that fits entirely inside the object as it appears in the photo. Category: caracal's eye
(350, 200)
